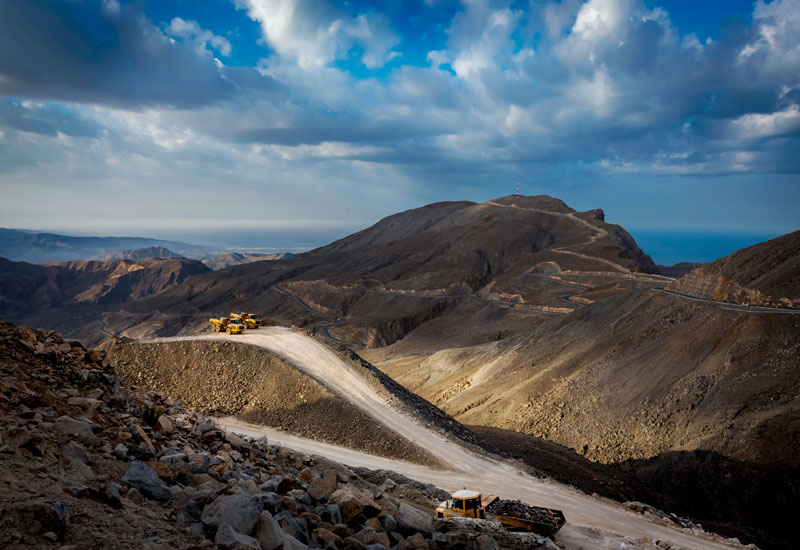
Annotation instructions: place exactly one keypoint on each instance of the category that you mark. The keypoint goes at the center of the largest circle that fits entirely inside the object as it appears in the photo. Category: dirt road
(469, 469)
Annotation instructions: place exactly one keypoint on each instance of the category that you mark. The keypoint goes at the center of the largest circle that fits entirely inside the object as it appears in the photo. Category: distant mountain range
(26, 246)
(40, 248)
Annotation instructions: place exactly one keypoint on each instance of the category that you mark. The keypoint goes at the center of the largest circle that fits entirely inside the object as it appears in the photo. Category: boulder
(414, 542)
(84, 431)
(268, 533)
(326, 539)
(323, 486)
(206, 425)
(164, 425)
(368, 536)
(236, 442)
(411, 519)
(388, 523)
(228, 539)
(353, 501)
(291, 543)
(142, 477)
(240, 511)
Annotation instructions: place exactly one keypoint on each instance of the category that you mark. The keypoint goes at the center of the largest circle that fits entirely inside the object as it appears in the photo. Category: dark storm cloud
(100, 52)
(45, 120)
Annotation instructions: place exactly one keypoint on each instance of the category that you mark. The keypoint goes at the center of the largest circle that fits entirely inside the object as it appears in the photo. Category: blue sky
(268, 117)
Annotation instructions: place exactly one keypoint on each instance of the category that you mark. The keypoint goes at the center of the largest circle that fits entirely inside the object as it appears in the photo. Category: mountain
(690, 403)
(765, 274)
(35, 247)
(138, 254)
(466, 272)
(522, 314)
(228, 260)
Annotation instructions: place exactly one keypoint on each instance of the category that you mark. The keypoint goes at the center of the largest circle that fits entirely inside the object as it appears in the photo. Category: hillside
(655, 386)
(71, 296)
(766, 274)
(504, 265)
(224, 261)
(88, 461)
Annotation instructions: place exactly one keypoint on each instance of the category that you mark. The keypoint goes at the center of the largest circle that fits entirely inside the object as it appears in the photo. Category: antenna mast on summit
(516, 195)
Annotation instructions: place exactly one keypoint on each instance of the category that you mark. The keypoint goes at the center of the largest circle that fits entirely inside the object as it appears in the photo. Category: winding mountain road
(469, 469)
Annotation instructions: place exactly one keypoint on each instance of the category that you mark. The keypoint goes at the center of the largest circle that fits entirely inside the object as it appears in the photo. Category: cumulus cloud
(567, 90)
(314, 34)
(190, 30)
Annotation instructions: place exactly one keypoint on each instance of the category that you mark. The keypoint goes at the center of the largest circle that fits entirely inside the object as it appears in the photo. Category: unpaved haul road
(468, 468)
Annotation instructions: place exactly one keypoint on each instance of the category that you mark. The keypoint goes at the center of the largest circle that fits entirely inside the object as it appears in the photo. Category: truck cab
(463, 504)
(235, 326)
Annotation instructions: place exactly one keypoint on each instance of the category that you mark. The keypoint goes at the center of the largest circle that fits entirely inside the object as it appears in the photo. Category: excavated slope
(240, 380)
(674, 388)
(766, 274)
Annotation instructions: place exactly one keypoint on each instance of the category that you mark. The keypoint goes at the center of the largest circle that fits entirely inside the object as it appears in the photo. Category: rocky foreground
(88, 462)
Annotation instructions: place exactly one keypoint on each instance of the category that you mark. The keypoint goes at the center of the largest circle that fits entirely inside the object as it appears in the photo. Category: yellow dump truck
(224, 324)
(249, 319)
(512, 514)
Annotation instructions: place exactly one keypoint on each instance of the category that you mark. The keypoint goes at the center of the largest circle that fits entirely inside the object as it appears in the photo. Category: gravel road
(469, 469)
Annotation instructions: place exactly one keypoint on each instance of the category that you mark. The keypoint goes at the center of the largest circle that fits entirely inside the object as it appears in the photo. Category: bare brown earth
(675, 389)
(766, 274)
(521, 314)
(27, 288)
(87, 461)
(227, 378)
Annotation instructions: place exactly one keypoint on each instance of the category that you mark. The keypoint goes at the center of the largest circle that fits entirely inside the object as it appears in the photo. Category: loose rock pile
(86, 462)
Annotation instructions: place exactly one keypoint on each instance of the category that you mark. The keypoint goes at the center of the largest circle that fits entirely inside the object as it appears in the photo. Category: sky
(264, 123)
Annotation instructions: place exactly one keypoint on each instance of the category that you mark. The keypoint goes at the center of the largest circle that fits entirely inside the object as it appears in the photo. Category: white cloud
(314, 34)
(756, 125)
(191, 30)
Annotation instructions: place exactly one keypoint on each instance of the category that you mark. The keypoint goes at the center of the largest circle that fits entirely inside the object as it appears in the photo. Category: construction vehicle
(224, 324)
(512, 514)
(249, 319)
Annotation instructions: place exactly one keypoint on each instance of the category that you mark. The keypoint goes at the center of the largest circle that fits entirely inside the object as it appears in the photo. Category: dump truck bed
(513, 514)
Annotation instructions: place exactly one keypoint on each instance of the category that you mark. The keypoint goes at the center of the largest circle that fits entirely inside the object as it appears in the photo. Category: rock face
(767, 274)
(133, 484)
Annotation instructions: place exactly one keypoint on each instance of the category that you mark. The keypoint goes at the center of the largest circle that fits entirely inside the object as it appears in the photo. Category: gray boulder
(143, 478)
(228, 539)
(268, 532)
(411, 519)
(291, 543)
(240, 511)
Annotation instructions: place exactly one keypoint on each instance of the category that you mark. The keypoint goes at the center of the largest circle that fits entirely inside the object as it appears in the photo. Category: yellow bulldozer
(224, 324)
(249, 319)
(512, 514)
